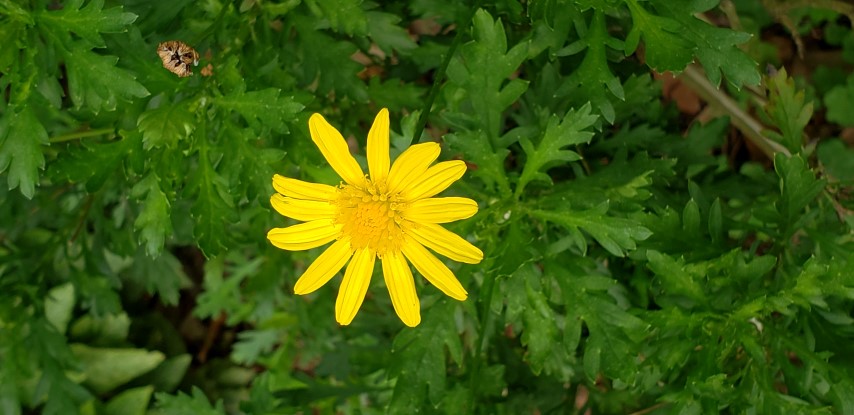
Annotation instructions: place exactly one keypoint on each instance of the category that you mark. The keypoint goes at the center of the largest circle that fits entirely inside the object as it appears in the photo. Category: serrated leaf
(162, 275)
(106, 369)
(344, 15)
(540, 330)
(253, 343)
(616, 235)
(87, 22)
(715, 47)
(788, 111)
(798, 186)
(718, 52)
(594, 78)
(333, 70)
(384, 30)
(213, 207)
(419, 359)
(95, 81)
(559, 133)
(666, 46)
(154, 220)
(21, 138)
(94, 164)
(263, 108)
(182, 404)
(487, 165)
(165, 125)
(613, 334)
(482, 69)
(223, 295)
(676, 278)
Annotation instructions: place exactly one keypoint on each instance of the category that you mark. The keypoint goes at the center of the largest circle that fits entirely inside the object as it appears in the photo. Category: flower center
(371, 217)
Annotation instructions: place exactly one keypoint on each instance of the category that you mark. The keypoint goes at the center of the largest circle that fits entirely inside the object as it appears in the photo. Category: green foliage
(633, 263)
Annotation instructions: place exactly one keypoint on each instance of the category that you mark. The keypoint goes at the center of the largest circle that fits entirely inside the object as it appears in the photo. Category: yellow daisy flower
(390, 214)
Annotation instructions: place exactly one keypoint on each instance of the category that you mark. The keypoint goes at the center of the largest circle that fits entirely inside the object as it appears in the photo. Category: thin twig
(81, 134)
(694, 78)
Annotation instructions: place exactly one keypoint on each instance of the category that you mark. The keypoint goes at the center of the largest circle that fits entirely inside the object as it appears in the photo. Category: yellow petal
(378, 160)
(434, 180)
(440, 209)
(299, 189)
(433, 270)
(354, 286)
(446, 243)
(413, 162)
(304, 236)
(401, 288)
(324, 267)
(335, 150)
(300, 209)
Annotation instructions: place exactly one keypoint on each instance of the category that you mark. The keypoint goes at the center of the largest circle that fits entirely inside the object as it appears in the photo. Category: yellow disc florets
(371, 217)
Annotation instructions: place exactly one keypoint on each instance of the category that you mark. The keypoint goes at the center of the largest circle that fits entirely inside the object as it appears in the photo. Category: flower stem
(440, 73)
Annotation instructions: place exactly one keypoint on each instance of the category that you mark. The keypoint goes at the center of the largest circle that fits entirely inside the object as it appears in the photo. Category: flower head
(389, 214)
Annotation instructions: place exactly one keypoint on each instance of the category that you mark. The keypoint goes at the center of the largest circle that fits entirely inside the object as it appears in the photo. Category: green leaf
(130, 402)
(21, 139)
(253, 343)
(666, 46)
(613, 334)
(254, 177)
(839, 102)
(593, 77)
(487, 165)
(836, 158)
(263, 108)
(419, 359)
(798, 186)
(716, 48)
(384, 31)
(223, 295)
(181, 404)
(169, 374)
(213, 206)
(333, 70)
(107, 369)
(95, 81)
(677, 278)
(718, 52)
(109, 329)
(88, 22)
(482, 68)
(539, 323)
(788, 111)
(691, 219)
(95, 164)
(716, 230)
(343, 15)
(616, 235)
(558, 134)
(154, 219)
(166, 125)
(58, 306)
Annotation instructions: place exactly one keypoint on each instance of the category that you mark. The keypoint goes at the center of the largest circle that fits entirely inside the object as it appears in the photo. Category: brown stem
(695, 79)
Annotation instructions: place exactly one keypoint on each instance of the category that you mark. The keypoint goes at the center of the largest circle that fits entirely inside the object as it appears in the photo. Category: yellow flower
(390, 214)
